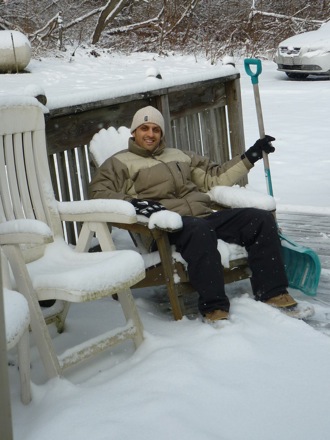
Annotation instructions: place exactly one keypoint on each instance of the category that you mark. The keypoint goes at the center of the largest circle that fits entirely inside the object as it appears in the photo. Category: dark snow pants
(255, 229)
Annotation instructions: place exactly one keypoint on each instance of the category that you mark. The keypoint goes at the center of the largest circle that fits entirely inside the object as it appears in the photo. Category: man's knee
(198, 227)
(196, 232)
(261, 216)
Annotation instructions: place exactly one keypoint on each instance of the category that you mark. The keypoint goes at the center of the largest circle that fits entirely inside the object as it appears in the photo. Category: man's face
(148, 136)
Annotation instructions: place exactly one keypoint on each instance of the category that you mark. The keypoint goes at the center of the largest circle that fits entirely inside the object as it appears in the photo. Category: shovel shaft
(255, 83)
(262, 135)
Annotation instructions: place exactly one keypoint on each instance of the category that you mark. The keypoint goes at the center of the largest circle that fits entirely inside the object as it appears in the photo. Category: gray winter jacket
(177, 179)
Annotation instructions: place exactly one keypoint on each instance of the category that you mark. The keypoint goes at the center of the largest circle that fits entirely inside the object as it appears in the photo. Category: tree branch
(109, 11)
(9, 25)
(50, 25)
(82, 18)
(133, 26)
(284, 17)
(188, 10)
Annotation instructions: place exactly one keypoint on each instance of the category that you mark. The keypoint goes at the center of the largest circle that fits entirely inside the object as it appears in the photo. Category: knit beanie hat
(148, 114)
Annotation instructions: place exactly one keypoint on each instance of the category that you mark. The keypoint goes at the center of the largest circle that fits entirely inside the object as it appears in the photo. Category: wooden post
(235, 116)
(235, 119)
(6, 429)
(164, 108)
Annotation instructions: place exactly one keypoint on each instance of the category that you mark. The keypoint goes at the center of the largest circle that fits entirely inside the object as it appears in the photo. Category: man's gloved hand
(146, 207)
(254, 153)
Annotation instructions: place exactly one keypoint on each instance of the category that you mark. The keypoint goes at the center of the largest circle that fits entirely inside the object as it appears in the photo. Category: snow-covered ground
(260, 375)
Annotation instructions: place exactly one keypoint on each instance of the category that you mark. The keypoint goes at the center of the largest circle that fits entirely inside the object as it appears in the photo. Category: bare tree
(215, 27)
(111, 9)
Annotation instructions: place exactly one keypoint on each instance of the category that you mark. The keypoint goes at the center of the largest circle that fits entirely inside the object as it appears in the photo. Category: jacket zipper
(174, 180)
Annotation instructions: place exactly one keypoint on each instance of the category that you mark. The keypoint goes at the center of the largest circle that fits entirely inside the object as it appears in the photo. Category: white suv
(305, 54)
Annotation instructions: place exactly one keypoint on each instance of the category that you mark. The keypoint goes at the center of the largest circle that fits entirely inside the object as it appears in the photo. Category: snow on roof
(82, 78)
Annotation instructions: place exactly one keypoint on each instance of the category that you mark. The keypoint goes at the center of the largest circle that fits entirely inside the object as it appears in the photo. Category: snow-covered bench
(166, 266)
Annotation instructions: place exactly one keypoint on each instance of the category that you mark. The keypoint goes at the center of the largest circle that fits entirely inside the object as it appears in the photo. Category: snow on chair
(17, 321)
(166, 266)
(44, 266)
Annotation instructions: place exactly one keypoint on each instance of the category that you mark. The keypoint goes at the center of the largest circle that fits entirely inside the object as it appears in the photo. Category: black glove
(254, 153)
(146, 207)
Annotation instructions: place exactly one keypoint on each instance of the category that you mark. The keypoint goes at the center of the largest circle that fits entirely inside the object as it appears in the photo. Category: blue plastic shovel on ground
(302, 264)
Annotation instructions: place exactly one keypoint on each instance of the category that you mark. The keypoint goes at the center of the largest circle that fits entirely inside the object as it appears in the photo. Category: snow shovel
(302, 264)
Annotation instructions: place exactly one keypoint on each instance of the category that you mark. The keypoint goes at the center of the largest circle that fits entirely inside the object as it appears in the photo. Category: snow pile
(239, 197)
(166, 220)
(85, 273)
(28, 226)
(9, 100)
(230, 252)
(97, 206)
(17, 316)
(105, 143)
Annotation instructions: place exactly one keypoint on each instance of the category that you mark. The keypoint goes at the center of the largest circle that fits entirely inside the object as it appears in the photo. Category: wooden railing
(204, 116)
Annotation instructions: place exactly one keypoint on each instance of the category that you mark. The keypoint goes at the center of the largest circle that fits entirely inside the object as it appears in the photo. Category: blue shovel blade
(302, 265)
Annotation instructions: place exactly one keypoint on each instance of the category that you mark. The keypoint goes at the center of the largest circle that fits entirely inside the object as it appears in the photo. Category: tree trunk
(109, 12)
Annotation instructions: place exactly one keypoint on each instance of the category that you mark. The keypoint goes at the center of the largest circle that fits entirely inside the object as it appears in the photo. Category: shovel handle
(254, 75)
(248, 62)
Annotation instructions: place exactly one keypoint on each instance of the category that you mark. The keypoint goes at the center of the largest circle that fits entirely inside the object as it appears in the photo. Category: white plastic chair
(43, 265)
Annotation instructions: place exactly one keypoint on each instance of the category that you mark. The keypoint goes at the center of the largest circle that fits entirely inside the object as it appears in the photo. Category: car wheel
(294, 75)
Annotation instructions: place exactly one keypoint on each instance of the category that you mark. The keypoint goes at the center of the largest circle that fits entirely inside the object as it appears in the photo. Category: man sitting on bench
(153, 177)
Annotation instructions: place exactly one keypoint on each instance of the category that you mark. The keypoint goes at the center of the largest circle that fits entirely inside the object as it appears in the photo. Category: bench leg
(165, 253)
(23, 348)
(129, 308)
